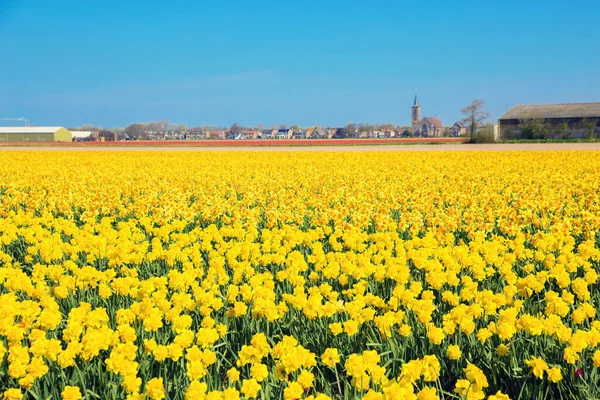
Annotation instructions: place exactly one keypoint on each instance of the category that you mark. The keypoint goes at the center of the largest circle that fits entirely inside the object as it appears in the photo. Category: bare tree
(474, 115)
(135, 131)
(119, 133)
(350, 130)
(180, 128)
(108, 134)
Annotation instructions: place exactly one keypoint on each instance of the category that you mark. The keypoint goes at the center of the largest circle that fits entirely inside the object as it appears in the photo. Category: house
(215, 135)
(265, 133)
(299, 134)
(35, 134)
(571, 120)
(268, 133)
(458, 129)
(283, 133)
(196, 133)
(245, 134)
(335, 133)
(389, 133)
(317, 133)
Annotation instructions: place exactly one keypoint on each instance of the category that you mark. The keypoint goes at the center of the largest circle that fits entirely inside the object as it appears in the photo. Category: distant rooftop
(30, 129)
(81, 134)
(433, 121)
(569, 110)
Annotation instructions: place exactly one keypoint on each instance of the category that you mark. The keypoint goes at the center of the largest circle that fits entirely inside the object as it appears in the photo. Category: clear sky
(115, 62)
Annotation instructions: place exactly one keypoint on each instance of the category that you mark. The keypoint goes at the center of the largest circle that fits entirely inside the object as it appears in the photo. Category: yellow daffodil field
(300, 275)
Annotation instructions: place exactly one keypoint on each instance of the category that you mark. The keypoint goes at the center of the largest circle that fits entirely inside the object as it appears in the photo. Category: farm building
(35, 134)
(81, 134)
(552, 121)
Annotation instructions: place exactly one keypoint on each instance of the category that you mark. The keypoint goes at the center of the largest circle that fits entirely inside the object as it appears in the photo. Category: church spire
(416, 113)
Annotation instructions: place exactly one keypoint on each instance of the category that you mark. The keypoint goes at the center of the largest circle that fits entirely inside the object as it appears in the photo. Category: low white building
(29, 134)
(81, 134)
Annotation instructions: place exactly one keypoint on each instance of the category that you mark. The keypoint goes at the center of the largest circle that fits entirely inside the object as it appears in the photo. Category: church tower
(416, 113)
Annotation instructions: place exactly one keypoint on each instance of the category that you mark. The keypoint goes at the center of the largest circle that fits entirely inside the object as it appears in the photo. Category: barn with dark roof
(573, 120)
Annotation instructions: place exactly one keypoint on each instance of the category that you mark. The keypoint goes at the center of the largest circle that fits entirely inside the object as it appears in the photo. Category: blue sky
(111, 63)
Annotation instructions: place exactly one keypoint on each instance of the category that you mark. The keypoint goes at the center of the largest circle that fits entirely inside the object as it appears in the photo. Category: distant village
(163, 130)
(522, 122)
